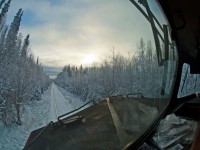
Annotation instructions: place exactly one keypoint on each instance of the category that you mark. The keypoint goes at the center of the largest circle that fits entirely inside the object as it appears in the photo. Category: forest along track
(58, 105)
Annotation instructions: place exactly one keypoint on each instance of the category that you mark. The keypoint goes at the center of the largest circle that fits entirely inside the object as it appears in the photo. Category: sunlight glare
(89, 59)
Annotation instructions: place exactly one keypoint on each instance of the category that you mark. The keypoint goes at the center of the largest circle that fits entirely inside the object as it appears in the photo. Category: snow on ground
(37, 114)
(73, 101)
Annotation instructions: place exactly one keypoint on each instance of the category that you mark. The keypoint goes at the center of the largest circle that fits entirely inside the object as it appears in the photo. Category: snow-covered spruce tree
(1, 3)
(4, 9)
(3, 28)
(11, 39)
(3, 32)
(9, 66)
(21, 79)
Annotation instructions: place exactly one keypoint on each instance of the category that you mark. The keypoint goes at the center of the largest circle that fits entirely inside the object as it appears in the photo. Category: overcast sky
(78, 32)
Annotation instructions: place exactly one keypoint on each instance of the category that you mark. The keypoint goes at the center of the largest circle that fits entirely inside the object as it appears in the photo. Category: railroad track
(58, 103)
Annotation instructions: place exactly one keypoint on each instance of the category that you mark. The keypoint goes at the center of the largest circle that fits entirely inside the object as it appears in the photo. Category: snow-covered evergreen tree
(4, 9)
(21, 78)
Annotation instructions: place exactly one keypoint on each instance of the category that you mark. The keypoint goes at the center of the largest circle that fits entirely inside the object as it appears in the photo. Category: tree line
(21, 77)
(116, 75)
(137, 73)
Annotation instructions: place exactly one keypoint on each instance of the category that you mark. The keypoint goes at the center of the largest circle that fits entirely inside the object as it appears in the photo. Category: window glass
(189, 82)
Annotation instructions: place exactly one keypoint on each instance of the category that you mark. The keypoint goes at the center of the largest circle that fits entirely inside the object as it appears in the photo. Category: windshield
(56, 56)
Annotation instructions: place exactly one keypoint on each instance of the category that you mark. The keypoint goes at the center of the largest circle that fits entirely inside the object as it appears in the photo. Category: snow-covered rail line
(58, 103)
(61, 104)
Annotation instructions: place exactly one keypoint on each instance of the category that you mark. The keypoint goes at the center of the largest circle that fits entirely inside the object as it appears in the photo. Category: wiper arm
(59, 118)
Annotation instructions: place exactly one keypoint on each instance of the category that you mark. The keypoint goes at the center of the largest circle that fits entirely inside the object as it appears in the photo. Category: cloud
(65, 31)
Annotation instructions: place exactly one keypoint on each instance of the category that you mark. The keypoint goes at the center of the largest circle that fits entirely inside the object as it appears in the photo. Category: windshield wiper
(68, 113)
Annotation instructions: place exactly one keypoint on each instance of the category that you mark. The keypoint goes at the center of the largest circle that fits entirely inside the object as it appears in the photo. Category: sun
(89, 59)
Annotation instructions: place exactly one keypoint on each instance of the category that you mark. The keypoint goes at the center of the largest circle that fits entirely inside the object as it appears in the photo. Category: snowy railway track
(61, 105)
(58, 103)
(55, 106)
